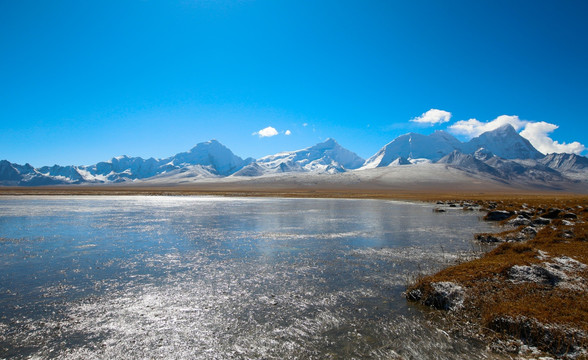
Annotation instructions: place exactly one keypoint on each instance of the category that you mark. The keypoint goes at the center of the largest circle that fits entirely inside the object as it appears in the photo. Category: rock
(551, 213)
(498, 215)
(536, 334)
(487, 238)
(519, 220)
(529, 231)
(516, 237)
(438, 210)
(567, 223)
(537, 274)
(414, 295)
(541, 221)
(559, 272)
(446, 295)
(525, 213)
(569, 216)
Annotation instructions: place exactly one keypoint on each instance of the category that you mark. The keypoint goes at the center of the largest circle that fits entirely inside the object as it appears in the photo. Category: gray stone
(446, 295)
(541, 221)
(498, 215)
(519, 220)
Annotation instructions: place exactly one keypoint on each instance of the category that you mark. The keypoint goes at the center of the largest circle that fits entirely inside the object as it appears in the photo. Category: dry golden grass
(553, 318)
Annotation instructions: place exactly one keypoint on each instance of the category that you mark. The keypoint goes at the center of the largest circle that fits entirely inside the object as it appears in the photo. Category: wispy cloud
(536, 132)
(432, 117)
(266, 132)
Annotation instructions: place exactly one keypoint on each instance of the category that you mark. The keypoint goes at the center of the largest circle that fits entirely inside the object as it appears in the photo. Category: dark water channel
(211, 277)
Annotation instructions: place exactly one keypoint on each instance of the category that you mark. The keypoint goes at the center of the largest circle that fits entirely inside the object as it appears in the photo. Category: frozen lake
(215, 277)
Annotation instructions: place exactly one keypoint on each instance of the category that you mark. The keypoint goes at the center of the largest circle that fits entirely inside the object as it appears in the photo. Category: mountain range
(501, 155)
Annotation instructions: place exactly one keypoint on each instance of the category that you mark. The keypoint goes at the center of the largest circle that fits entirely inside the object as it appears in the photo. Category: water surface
(215, 277)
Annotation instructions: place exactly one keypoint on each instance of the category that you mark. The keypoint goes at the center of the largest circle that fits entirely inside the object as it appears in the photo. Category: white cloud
(305, 124)
(267, 132)
(537, 132)
(288, 132)
(433, 116)
(472, 127)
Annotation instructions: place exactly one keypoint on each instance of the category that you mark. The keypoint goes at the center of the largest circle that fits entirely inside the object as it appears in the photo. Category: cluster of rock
(526, 223)
(464, 205)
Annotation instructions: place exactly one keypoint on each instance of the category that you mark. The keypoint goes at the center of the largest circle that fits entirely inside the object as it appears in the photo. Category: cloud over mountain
(473, 127)
(535, 132)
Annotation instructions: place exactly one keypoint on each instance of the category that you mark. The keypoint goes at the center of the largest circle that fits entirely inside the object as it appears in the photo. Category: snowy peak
(324, 157)
(414, 146)
(504, 142)
(210, 153)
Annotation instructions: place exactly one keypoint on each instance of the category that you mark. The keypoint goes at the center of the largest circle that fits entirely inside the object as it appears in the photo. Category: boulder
(536, 274)
(519, 220)
(446, 295)
(541, 221)
(487, 238)
(498, 215)
(529, 231)
(525, 213)
(551, 213)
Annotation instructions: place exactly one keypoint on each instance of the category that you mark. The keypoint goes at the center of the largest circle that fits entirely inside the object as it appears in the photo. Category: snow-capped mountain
(23, 175)
(208, 159)
(326, 157)
(504, 142)
(211, 153)
(414, 146)
(502, 169)
(500, 155)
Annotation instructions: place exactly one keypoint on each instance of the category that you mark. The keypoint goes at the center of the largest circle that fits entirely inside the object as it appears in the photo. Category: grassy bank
(532, 290)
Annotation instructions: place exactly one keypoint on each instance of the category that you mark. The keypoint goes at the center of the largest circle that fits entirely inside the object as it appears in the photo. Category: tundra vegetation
(530, 293)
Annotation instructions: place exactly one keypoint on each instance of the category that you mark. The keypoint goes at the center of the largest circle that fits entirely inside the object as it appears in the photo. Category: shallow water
(215, 277)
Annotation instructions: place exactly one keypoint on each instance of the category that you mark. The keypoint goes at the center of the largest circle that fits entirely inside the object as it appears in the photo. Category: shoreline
(427, 194)
(528, 296)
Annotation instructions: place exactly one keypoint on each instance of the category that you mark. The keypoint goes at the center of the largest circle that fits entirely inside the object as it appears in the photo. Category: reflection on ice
(191, 277)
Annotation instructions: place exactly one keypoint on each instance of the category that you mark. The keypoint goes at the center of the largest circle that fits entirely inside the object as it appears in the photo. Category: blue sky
(83, 81)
